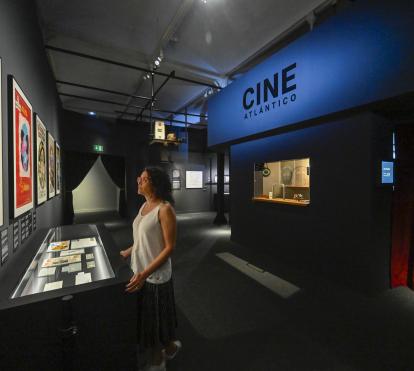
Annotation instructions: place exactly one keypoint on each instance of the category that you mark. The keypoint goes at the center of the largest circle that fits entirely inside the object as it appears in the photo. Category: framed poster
(1, 154)
(51, 165)
(22, 128)
(193, 179)
(41, 163)
(58, 168)
(176, 184)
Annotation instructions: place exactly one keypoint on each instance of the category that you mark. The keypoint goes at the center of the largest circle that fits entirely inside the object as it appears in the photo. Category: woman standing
(154, 232)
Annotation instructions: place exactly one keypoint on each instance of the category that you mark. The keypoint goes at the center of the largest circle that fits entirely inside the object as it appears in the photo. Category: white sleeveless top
(148, 244)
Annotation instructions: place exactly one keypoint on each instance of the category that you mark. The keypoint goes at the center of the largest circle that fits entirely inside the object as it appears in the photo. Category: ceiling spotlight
(148, 75)
(157, 62)
(204, 1)
(91, 113)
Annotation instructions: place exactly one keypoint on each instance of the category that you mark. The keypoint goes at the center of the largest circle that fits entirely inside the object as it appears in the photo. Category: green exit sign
(98, 148)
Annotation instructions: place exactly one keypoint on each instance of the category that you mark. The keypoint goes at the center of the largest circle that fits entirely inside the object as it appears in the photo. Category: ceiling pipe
(125, 65)
(128, 105)
(102, 90)
(161, 119)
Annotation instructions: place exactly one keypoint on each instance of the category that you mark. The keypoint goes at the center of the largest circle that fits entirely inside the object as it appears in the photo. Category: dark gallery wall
(23, 56)
(131, 141)
(344, 233)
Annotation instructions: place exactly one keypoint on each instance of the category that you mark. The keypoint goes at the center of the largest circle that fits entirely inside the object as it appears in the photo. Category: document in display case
(67, 256)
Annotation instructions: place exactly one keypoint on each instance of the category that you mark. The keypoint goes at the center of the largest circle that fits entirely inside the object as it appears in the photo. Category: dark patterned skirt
(157, 318)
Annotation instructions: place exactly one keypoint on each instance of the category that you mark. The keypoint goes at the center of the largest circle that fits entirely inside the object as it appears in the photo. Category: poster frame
(51, 145)
(15, 210)
(191, 182)
(58, 169)
(37, 120)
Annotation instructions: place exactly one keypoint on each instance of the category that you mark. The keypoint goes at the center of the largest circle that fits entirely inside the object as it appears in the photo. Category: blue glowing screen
(387, 172)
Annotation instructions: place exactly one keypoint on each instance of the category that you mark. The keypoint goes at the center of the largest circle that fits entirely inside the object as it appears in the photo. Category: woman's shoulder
(166, 207)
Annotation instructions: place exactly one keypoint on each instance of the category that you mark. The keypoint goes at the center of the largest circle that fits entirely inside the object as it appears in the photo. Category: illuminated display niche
(285, 181)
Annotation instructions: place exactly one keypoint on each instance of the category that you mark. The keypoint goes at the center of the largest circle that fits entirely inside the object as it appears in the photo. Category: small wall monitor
(387, 172)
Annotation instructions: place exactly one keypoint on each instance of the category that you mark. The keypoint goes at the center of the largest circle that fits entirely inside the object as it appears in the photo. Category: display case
(66, 257)
(86, 321)
(286, 182)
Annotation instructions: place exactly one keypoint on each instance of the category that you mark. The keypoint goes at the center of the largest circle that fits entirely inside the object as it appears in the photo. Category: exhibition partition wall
(29, 113)
(131, 145)
(333, 215)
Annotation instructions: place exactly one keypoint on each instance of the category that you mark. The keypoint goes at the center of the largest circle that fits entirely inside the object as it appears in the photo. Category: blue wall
(344, 234)
(360, 56)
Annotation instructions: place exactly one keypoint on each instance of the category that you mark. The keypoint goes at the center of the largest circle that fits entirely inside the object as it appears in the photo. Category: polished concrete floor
(230, 321)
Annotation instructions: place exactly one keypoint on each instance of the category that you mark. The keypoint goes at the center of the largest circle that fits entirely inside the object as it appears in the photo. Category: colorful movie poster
(41, 155)
(1, 154)
(58, 167)
(51, 165)
(23, 151)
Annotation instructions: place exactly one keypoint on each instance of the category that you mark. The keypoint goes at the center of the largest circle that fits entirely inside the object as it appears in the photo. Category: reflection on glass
(286, 180)
(68, 256)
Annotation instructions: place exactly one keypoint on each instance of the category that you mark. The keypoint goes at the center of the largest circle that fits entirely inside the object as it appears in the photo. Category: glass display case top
(286, 181)
(68, 256)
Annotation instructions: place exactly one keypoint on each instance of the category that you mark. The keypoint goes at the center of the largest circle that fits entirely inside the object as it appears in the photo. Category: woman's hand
(125, 253)
(136, 282)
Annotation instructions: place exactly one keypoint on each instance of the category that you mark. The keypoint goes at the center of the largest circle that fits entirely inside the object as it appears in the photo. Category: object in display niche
(44, 272)
(22, 151)
(53, 286)
(266, 171)
(41, 164)
(58, 246)
(51, 165)
(83, 243)
(58, 169)
(72, 252)
(159, 130)
(52, 262)
(288, 182)
(287, 173)
(1, 152)
(176, 184)
(90, 264)
(193, 179)
(82, 278)
(89, 256)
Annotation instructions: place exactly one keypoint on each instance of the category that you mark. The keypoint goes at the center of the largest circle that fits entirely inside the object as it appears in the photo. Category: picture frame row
(35, 166)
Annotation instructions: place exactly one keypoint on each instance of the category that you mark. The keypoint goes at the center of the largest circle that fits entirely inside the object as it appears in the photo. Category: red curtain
(402, 252)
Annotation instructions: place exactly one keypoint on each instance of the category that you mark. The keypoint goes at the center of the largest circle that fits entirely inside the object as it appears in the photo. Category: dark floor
(228, 321)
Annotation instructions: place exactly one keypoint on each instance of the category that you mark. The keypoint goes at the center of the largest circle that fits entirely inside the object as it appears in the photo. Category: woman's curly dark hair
(161, 183)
